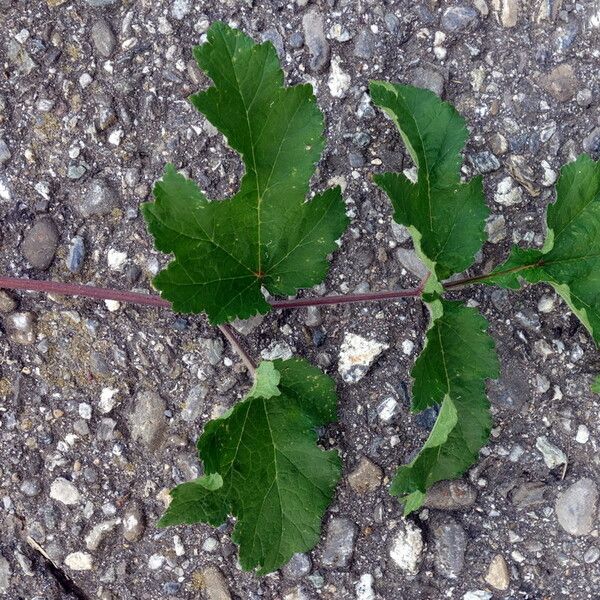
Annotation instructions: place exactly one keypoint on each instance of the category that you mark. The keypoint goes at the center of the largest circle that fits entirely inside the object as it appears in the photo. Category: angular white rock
(357, 354)
(407, 547)
(338, 81)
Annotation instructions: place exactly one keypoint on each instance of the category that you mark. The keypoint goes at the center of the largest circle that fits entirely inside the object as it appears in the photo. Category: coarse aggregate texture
(92, 105)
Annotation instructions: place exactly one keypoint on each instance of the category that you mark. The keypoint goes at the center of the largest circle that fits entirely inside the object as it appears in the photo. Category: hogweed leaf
(451, 370)
(570, 258)
(266, 235)
(595, 387)
(275, 479)
(445, 217)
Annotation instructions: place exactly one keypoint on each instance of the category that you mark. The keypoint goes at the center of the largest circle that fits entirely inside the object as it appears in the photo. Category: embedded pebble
(314, 35)
(498, 575)
(79, 561)
(99, 533)
(583, 434)
(194, 403)
(133, 523)
(366, 477)
(450, 546)
(407, 547)
(553, 455)
(40, 243)
(213, 584)
(147, 419)
(103, 38)
(299, 566)
(5, 574)
(20, 327)
(357, 354)
(364, 587)
(76, 255)
(339, 81)
(561, 83)
(5, 153)
(457, 18)
(99, 199)
(451, 495)
(339, 543)
(364, 46)
(507, 193)
(428, 78)
(64, 491)
(575, 507)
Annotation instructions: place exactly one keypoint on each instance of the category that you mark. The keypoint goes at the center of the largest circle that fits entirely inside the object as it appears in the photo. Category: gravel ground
(100, 404)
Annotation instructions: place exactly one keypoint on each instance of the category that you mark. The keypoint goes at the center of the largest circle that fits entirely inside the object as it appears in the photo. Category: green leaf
(275, 479)
(452, 370)
(266, 235)
(595, 387)
(570, 258)
(445, 217)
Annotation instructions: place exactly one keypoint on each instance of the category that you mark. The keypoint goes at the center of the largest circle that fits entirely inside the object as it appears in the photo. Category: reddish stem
(99, 293)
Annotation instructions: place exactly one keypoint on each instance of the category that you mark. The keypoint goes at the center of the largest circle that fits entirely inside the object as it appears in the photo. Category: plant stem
(479, 278)
(99, 293)
(349, 298)
(86, 291)
(227, 331)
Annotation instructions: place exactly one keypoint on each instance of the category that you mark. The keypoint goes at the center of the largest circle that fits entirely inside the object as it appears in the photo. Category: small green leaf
(266, 235)
(445, 217)
(452, 370)
(595, 387)
(266, 381)
(276, 480)
(570, 258)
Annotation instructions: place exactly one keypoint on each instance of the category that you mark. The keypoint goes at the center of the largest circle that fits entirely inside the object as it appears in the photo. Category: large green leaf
(273, 477)
(445, 217)
(266, 234)
(570, 258)
(451, 370)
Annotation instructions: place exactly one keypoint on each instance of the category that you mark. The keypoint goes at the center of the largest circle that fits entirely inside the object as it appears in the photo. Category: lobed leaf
(451, 370)
(274, 478)
(570, 258)
(266, 235)
(445, 216)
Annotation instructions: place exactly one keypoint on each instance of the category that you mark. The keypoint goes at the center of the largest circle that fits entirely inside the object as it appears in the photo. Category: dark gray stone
(296, 40)
(76, 254)
(484, 162)
(339, 543)
(314, 33)
(450, 547)
(99, 199)
(591, 142)
(429, 78)
(457, 18)
(40, 243)
(364, 46)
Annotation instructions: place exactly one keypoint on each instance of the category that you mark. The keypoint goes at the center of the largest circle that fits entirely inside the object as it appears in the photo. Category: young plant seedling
(262, 463)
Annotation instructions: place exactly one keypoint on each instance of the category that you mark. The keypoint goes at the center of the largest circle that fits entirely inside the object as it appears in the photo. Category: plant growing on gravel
(262, 462)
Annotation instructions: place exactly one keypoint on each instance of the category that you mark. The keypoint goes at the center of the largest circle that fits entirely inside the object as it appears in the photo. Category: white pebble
(407, 347)
(156, 561)
(85, 411)
(583, 434)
